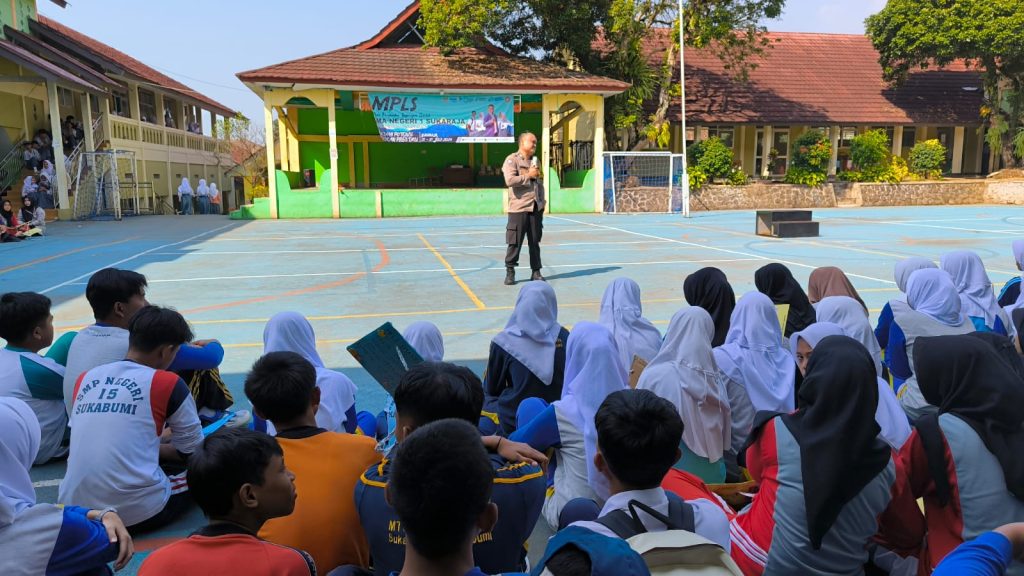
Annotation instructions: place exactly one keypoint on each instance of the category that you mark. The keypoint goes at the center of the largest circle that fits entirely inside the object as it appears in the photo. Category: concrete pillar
(834, 135)
(766, 146)
(980, 151)
(268, 123)
(599, 154)
(282, 139)
(106, 122)
(53, 105)
(332, 136)
(90, 141)
(897, 141)
(158, 103)
(133, 103)
(958, 150)
(293, 141)
(545, 148)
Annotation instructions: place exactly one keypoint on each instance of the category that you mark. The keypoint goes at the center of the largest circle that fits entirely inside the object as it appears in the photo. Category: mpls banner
(436, 118)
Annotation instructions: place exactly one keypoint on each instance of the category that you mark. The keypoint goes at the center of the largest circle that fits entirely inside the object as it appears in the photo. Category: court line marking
(371, 315)
(913, 224)
(410, 249)
(455, 276)
(395, 235)
(63, 254)
(143, 253)
(47, 483)
(424, 271)
(726, 250)
(385, 259)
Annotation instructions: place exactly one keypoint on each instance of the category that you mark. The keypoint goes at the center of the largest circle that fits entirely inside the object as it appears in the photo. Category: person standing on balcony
(185, 196)
(526, 203)
(203, 195)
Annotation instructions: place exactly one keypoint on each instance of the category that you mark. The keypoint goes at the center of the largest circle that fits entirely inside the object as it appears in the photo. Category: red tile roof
(133, 66)
(417, 67)
(45, 68)
(807, 78)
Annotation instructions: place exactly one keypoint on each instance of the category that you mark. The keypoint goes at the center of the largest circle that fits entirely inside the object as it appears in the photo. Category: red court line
(62, 254)
(385, 260)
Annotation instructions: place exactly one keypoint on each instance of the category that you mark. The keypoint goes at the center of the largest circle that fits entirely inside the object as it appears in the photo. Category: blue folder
(386, 355)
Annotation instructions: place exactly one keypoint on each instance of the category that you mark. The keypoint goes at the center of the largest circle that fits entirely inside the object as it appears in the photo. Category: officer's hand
(534, 172)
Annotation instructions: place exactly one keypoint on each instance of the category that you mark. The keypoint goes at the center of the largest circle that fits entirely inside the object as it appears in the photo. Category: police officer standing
(525, 207)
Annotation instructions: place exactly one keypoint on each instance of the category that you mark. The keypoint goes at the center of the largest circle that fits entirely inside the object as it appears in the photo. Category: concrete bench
(786, 224)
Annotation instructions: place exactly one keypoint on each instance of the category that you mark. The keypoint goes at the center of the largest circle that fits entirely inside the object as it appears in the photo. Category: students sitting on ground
(592, 372)
(115, 296)
(635, 456)
(10, 229)
(965, 461)
(440, 488)
(824, 474)
(434, 391)
(27, 326)
(282, 388)
(527, 359)
(33, 217)
(291, 332)
(240, 480)
(43, 538)
(119, 418)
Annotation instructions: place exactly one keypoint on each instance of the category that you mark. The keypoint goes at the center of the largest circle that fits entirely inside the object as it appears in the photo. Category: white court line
(151, 280)
(726, 250)
(370, 235)
(912, 224)
(143, 253)
(47, 483)
(411, 249)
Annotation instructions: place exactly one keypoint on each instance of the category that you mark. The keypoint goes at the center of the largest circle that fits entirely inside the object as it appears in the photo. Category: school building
(50, 71)
(832, 82)
(334, 161)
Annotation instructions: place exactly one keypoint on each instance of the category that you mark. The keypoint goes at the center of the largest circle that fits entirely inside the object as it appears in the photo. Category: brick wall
(923, 193)
(762, 196)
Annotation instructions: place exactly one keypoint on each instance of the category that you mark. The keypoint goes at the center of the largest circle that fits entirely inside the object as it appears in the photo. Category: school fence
(644, 182)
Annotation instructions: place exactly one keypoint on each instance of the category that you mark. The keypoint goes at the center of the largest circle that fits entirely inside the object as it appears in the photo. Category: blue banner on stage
(436, 118)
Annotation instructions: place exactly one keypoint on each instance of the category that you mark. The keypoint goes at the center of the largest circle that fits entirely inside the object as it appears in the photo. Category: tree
(918, 34)
(248, 150)
(564, 32)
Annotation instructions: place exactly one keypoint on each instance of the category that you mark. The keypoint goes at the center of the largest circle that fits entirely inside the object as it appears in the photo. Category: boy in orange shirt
(282, 389)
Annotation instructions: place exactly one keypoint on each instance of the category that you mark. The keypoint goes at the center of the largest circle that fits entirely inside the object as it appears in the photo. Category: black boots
(537, 276)
(510, 276)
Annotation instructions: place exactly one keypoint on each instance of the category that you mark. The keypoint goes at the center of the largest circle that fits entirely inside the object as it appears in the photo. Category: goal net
(644, 182)
(106, 186)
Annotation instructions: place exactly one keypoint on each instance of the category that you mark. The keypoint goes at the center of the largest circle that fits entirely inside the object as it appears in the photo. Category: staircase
(786, 224)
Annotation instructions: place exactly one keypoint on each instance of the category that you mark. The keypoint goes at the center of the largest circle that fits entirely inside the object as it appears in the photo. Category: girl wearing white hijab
(1011, 297)
(214, 199)
(849, 314)
(527, 359)
(622, 314)
(291, 332)
(684, 373)
(44, 538)
(901, 273)
(426, 339)
(977, 301)
(185, 194)
(889, 414)
(759, 373)
(932, 309)
(592, 372)
(203, 193)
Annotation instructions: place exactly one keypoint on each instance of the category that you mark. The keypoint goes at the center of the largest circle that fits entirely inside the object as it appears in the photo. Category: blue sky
(203, 43)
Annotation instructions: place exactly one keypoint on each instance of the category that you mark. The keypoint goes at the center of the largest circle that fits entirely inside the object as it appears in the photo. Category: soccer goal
(644, 182)
(106, 186)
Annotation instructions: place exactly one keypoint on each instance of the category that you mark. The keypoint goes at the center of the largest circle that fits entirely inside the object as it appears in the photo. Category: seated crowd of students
(894, 449)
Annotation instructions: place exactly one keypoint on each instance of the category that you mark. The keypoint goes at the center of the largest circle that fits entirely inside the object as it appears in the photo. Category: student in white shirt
(634, 456)
(121, 411)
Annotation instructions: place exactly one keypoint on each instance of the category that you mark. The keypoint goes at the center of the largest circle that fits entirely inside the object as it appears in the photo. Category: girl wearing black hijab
(966, 461)
(709, 289)
(824, 475)
(777, 282)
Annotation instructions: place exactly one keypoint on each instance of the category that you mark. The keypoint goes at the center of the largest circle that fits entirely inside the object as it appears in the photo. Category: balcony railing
(127, 129)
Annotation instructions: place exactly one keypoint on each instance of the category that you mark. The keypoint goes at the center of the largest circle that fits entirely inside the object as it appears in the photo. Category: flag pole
(682, 105)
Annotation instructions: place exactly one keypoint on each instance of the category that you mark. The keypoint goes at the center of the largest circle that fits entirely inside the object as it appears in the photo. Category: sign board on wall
(462, 118)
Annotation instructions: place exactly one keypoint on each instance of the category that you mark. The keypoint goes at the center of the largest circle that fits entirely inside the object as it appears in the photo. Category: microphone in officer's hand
(533, 163)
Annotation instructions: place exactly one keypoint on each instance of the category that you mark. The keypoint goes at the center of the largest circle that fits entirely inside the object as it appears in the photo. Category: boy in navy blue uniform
(435, 391)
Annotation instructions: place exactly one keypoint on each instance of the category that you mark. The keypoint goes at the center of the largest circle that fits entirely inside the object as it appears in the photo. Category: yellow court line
(479, 304)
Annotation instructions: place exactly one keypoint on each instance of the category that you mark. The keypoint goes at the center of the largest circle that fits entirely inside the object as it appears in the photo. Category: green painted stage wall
(393, 164)
(442, 202)
(572, 200)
